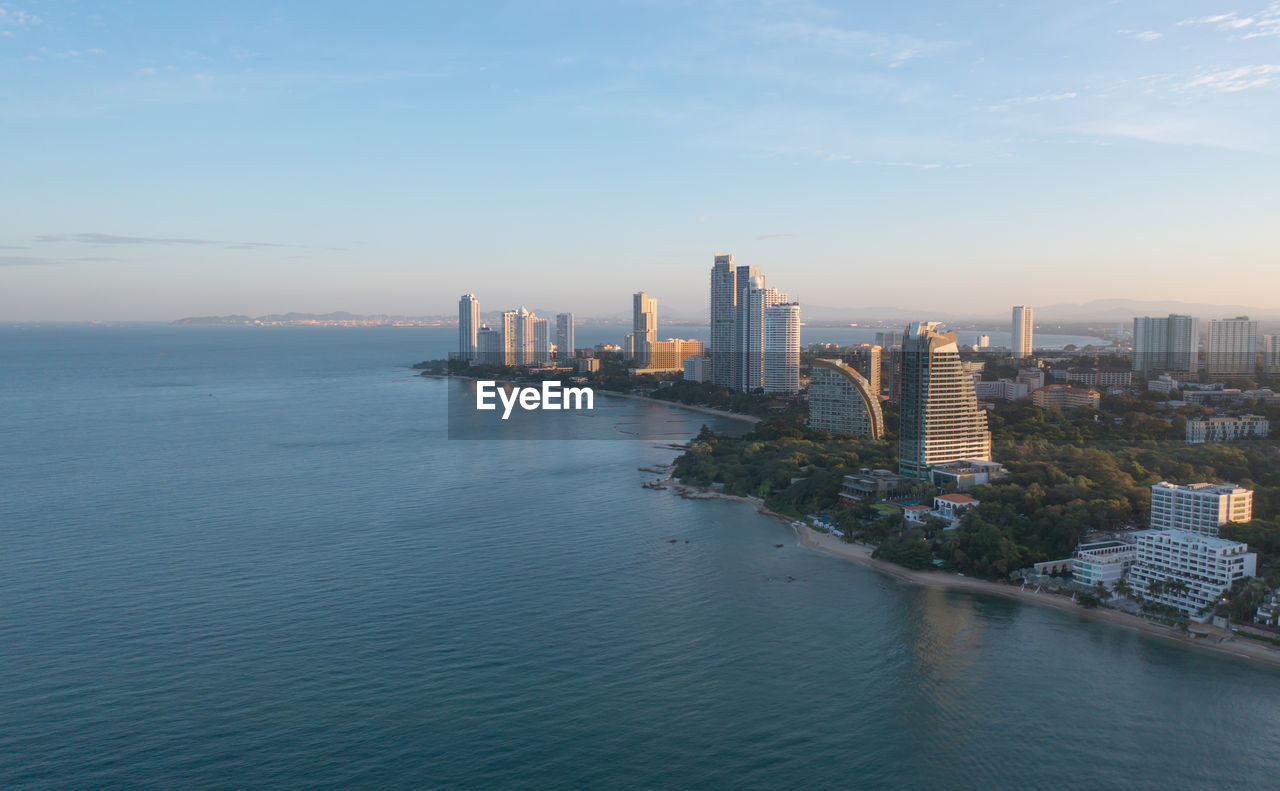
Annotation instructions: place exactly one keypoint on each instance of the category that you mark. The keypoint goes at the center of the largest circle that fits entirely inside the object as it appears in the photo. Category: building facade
(724, 301)
(1199, 507)
(1201, 568)
(1232, 348)
(696, 368)
(753, 299)
(1023, 332)
(1221, 428)
(1105, 562)
(782, 348)
(669, 355)
(865, 359)
(841, 401)
(1271, 354)
(468, 326)
(644, 326)
(941, 421)
(1166, 344)
(564, 336)
(1066, 397)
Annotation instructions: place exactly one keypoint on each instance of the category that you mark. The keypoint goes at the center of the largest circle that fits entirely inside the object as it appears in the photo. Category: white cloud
(1142, 35)
(15, 17)
(1036, 99)
(1265, 22)
(1235, 80)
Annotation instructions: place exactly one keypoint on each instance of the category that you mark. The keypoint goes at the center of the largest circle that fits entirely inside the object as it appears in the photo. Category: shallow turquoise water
(248, 557)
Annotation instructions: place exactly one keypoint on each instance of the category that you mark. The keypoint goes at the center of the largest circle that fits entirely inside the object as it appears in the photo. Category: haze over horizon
(171, 161)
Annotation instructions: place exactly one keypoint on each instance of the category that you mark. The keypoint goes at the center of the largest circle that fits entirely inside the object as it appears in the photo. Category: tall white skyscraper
(1023, 332)
(782, 348)
(510, 343)
(724, 300)
(468, 325)
(541, 347)
(1232, 349)
(644, 326)
(1166, 343)
(940, 420)
(752, 301)
(564, 336)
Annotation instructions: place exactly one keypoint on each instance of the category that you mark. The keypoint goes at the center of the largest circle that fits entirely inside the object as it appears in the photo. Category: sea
(251, 558)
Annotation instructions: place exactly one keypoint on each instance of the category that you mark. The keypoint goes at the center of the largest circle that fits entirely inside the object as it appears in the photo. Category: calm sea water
(249, 558)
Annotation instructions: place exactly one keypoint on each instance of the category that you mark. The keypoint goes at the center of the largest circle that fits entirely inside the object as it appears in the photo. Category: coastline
(704, 409)
(1219, 641)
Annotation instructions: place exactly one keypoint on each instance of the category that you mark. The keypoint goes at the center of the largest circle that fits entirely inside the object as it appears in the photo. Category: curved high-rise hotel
(842, 401)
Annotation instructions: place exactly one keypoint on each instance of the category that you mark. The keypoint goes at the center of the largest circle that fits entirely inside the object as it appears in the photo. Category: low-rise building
(1221, 428)
(967, 472)
(1101, 377)
(874, 484)
(1103, 561)
(696, 368)
(1188, 571)
(952, 506)
(916, 514)
(1066, 397)
(1226, 395)
(1163, 384)
(1199, 507)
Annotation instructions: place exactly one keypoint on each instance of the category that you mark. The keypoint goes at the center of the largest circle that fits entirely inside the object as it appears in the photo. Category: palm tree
(1121, 588)
(1103, 594)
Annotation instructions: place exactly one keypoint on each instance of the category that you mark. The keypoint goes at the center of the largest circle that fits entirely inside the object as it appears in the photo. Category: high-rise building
(753, 298)
(510, 344)
(669, 355)
(984, 342)
(887, 338)
(1166, 344)
(865, 359)
(628, 348)
(468, 325)
(1199, 507)
(525, 338)
(644, 325)
(1232, 348)
(782, 348)
(724, 301)
(564, 336)
(1206, 566)
(842, 401)
(893, 371)
(489, 346)
(695, 368)
(1023, 330)
(541, 351)
(941, 421)
(1271, 354)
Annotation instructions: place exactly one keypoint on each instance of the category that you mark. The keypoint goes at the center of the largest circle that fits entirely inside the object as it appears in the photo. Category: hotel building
(1023, 332)
(1103, 561)
(1205, 567)
(468, 326)
(941, 421)
(1199, 507)
(782, 348)
(644, 327)
(841, 401)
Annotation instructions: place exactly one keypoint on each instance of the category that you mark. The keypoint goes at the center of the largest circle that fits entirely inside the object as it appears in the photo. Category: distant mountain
(1126, 309)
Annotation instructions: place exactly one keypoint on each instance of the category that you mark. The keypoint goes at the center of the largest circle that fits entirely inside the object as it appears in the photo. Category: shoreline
(1218, 641)
(704, 409)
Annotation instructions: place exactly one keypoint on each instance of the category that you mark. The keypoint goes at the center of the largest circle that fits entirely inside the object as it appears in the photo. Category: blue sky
(169, 159)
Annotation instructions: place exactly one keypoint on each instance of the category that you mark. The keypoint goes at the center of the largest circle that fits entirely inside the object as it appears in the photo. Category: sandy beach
(704, 409)
(1216, 640)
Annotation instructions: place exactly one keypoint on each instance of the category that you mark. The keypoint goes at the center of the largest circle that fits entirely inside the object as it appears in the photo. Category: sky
(175, 159)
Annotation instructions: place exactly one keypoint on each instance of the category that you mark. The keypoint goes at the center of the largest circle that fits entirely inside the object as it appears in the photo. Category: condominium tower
(1232, 348)
(644, 325)
(724, 302)
(564, 336)
(753, 299)
(1168, 344)
(940, 421)
(782, 348)
(1023, 329)
(468, 326)
(1271, 354)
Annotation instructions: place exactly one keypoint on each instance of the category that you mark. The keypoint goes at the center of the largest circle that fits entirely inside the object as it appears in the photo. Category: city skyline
(249, 162)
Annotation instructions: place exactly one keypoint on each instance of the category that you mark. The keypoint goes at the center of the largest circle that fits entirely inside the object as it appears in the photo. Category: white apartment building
(1199, 507)
(644, 327)
(1271, 353)
(696, 368)
(1023, 331)
(564, 336)
(1232, 348)
(782, 348)
(1103, 561)
(1205, 566)
(1163, 343)
(1221, 428)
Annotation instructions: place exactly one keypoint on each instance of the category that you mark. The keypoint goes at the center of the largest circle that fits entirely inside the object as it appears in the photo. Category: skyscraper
(468, 325)
(489, 346)
(541, 346)
(724, 299)
(564, 336)
(782, 348)
(749, 326)
(1023, 330)
(1232, 348)
(1169, 344)
(644, 326)
(941, 420)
